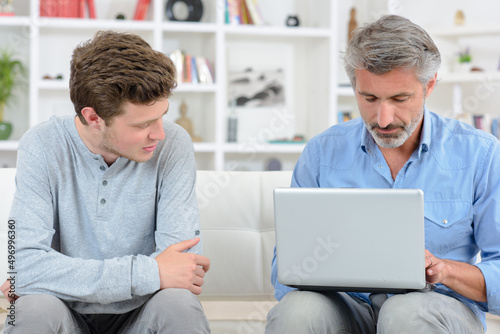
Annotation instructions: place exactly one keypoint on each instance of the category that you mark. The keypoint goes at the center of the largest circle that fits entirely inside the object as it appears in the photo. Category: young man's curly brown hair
(113, 68)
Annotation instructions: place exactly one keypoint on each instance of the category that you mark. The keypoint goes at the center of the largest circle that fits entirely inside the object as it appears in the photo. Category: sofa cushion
(237, 224)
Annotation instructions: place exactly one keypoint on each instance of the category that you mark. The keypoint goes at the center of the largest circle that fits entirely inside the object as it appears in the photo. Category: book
(226, 12)
(204, 70)
(245, 16)
(478, 121)
(91, 7)
(495, 130)
(178, 59)
(81, 8)
(254, 10)
(234, 12)
(49, 8)
(70, 8)
(188, 65)
(141, 9)
(194, 71)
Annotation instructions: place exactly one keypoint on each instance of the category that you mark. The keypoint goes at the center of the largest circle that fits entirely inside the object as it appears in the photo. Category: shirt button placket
(102, 208)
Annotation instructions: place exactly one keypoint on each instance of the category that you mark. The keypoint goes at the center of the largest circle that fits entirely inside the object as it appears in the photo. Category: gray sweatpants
(167, 311)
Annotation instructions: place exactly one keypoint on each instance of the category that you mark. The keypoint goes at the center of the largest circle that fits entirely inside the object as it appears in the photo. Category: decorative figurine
(273, 164)
(186, 123)
(184, 10)
(292, 21)
(459, 18)
(352, 24)
(6, 8)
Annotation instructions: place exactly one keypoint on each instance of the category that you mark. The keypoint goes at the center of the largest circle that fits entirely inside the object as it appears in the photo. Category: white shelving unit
(311, 49)
(470, 91)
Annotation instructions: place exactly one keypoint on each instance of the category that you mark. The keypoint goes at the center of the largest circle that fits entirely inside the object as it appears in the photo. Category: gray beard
(396, 140)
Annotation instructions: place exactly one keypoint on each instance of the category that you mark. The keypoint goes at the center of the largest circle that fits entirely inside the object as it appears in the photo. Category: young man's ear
(93, 120)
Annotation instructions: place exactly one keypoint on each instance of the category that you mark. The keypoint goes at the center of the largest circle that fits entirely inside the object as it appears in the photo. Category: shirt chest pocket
(448, 225)
(447, 213)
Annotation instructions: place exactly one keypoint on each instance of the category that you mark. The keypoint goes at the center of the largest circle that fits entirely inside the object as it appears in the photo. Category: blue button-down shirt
(457, 167)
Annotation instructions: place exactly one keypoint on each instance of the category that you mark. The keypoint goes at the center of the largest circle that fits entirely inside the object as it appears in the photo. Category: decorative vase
(5, 130)
(292, 21)
(464, 67)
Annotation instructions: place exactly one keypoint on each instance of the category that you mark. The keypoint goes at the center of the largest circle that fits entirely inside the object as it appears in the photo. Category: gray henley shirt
(88, 233)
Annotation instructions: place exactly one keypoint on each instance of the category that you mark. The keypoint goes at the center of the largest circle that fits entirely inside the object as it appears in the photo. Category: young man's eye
(400, 100)
(144, 126)
(370, 99)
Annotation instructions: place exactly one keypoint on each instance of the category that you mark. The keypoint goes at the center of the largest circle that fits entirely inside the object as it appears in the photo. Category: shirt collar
(368, 144)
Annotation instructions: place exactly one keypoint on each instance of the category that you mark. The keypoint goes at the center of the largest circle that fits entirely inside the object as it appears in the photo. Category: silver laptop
(350, 239)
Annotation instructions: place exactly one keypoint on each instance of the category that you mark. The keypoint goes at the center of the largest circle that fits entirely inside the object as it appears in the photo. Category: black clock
(184, 10)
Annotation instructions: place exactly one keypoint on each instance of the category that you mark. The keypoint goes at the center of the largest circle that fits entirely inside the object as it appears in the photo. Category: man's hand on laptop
(433, 268)
(464, 278)
(182, 270)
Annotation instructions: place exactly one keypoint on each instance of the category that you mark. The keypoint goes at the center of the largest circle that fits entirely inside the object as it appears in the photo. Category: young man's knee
(41, 303)
(174, 301)
(40, 312)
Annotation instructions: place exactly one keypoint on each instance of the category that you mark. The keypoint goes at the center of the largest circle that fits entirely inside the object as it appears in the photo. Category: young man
(397, 143)
(105, 211)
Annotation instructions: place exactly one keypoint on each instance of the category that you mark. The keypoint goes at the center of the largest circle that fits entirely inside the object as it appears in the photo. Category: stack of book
(243, 12)
(486, 122)
(67, 8)
(192, 69)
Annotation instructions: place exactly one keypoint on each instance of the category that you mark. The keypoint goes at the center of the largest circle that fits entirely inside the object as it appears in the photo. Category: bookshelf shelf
(205, 147)
(473, 77)
(276, 31)
(345, 91)
(196, 88)
(188, 27)
(9, 145)
(53, 84)
(94, 24)
(15, 21)
(264, 148)
(456, 32)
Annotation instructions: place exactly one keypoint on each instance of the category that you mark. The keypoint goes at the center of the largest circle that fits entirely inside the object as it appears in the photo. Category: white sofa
(238, 236)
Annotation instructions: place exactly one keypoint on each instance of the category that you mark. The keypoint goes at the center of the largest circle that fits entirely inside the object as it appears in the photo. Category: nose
(157, 131)
(385, 114)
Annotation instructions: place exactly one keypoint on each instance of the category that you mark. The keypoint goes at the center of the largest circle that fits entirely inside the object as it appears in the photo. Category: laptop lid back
(350, 239)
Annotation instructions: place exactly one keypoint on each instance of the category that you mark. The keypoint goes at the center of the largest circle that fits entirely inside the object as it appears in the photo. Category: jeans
(167, 311)
(336, 312)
